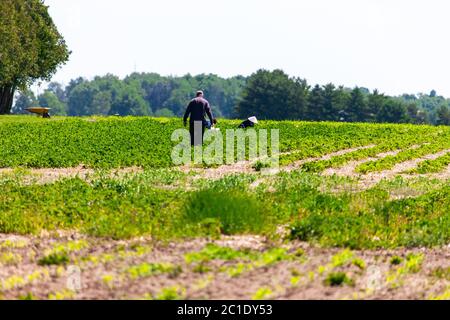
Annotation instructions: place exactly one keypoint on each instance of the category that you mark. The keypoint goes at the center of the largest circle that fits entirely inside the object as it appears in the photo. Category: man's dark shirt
(198, 108)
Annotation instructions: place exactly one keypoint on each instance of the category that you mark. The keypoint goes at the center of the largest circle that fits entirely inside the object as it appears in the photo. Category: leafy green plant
(396, 260)
(263, 294)
(214, 252)
(235, 211)
(259, 165)
(170, 293)
(150, 269)
(441, 273)
(336, 279)
(54, 259)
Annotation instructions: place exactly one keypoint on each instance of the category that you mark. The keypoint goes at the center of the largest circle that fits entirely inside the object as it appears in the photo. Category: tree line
(139, 94)
(275, 95)
(265, 94)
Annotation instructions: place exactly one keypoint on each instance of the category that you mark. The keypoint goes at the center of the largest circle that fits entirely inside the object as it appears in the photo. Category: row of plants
(433, 166)
(440, 143)
(135, 206)
(116, 142)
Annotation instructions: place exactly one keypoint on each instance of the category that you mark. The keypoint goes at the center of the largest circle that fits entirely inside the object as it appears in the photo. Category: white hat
(253, 119)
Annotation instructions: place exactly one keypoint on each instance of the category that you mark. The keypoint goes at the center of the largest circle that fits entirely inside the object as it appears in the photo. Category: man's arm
(209, 113)
(187, 113)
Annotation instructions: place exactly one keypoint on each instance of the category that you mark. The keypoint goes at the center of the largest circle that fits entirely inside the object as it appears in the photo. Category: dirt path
(348, 169)
(43, 176)
(369, 180)
(142, 268)
(51, 175)
(373, 178)
(296, 165)
(246, 166)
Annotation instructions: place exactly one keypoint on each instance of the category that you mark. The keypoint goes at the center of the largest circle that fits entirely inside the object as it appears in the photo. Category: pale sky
(397, 46)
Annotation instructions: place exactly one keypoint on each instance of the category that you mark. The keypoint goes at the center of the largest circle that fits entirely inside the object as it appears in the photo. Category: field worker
(249, 123)
(197, 109)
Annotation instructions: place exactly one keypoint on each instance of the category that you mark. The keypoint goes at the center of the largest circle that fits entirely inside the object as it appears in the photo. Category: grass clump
(259, 165)
(54, 259)
(396, 260)
(233, 211)
(336, 279)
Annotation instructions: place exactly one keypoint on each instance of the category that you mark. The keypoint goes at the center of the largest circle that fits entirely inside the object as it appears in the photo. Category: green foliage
(273, 95)
(50, 100)
(336, 279)
(150, 269)
(99, 143)
(439, 143)
(235, 211)
(172, 293)
(266, 94)
(259, 165)
(443, 115)
(396, 260)
(214, 252)
(356, 110)
(116, 206)
(28, 296)
(442, 273)
(32, 48)
(54, 259)
(433, 166)
(263, 294)
(377, 223)
(24, 100)
(164, 113)
(107, 207)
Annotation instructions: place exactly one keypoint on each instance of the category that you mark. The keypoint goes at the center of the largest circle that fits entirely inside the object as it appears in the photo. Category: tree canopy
(31, 47)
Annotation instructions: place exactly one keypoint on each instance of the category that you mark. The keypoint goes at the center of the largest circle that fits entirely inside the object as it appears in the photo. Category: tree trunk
(6, 98)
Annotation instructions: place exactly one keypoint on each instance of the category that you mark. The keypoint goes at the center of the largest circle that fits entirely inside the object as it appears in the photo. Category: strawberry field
(102, 195)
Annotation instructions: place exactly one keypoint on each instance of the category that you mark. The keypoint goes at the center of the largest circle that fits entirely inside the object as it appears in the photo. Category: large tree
(273, 95)
(357, 106)
(31, 47)
(443, 115)
(49, 100)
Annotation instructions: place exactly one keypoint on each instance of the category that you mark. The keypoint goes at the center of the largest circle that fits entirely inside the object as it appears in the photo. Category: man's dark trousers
(197, 131)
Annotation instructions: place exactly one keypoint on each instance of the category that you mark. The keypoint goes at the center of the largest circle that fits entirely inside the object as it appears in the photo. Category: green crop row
(335, 137)
(440, 143)
(433, 166)
(340, 160)
(140, 141)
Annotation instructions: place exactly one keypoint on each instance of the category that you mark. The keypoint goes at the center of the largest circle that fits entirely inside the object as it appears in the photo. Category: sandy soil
(50, 175)
(99, 271)
(348, 169)
(365, 181)
(246, 166)
(371, 179)
(296, 165)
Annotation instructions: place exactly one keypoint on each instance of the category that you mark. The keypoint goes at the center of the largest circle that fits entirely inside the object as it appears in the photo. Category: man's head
(199, 94)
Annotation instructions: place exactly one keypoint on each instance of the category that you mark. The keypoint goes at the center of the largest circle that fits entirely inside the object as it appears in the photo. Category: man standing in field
(197, 109)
